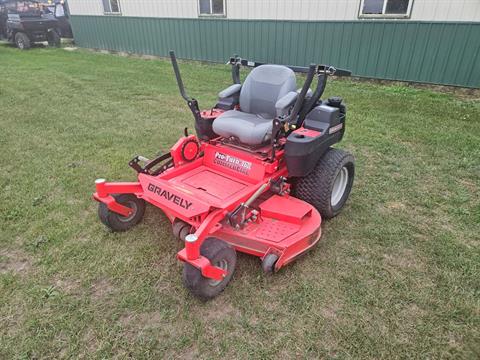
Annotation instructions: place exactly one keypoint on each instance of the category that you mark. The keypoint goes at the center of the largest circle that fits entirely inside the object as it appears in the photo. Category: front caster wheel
(268, 263)
(220, 254)
(117, 222)
(181, 229)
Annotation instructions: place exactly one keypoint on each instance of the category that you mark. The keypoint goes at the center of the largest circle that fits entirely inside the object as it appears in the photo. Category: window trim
(224, 15)
(119, 12)
(408, 15)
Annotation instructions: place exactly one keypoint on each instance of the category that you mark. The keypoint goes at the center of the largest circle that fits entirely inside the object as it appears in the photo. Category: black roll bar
(301, 97)
(235, 60)
(299, 109)
(192, 103)
(235, 69)
(178, 76)
(317, 94)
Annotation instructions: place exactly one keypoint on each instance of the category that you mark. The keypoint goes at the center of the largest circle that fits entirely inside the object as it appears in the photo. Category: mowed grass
(396, 274)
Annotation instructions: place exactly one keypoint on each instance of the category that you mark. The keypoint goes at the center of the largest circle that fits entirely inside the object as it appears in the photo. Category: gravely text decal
(169, 196)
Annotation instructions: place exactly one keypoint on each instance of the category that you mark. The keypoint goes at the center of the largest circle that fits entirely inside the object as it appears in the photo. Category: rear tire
(328, 186)
(117, 222)
(220, 254)
(53, 38)
(22, 41)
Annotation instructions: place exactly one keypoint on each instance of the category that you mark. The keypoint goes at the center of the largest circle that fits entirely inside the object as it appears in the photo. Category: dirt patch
(218, 310)
(404, 259)
(412, 311)
(395, 205)
(469, 185)
(330, 312)
(68, 286)
(391, 207)
(89, 339)
(15, 261)
(190, 354)
(101, 289)
(149, 320)
(134, 324)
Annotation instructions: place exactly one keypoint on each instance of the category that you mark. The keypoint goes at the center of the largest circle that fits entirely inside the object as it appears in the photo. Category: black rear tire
(328, 186)
(53, 38)
(220, 254)
(117, 222)
(22, 41)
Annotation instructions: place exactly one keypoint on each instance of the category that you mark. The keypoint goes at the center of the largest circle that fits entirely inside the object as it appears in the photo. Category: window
(386, 8)
(59, 10)
(23, 7)
(211, 7)
(111, 6)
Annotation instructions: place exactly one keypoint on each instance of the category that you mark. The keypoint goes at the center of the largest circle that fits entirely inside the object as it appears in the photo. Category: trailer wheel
(22, 41)
(117, 222)
(328, 186)
(220, 254)
(53, 38)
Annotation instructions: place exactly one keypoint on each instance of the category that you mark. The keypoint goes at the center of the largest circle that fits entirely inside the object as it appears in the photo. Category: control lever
(237, 217)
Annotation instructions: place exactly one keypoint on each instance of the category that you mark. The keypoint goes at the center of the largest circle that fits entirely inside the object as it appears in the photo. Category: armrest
(285, 102)
(231, 90)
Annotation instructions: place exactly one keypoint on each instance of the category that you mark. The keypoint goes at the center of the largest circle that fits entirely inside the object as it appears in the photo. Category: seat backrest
(263, 87)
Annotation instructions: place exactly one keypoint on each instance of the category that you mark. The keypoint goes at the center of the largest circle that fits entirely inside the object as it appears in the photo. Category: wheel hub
(132, 205)
(222, 264)
(339, 186)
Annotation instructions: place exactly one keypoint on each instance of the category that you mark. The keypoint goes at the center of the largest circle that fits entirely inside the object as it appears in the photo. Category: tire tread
(316, 187)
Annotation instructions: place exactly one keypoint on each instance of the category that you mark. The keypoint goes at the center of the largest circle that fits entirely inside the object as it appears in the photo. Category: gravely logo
(233, 163)
(169, 196)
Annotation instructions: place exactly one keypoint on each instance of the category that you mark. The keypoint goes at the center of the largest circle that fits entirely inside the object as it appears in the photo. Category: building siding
(439, 53)
(345, 10)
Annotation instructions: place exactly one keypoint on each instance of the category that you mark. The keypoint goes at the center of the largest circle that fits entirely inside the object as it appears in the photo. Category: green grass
(396, 275)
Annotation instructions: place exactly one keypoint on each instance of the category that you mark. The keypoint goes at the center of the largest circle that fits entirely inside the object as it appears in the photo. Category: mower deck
(288, 228)
(219, 181)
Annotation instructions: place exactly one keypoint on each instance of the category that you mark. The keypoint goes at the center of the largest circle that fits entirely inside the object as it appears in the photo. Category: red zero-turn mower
(258, 177)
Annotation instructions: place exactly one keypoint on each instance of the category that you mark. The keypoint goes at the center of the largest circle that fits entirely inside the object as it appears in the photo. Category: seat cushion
(263, 87)
(248, 128)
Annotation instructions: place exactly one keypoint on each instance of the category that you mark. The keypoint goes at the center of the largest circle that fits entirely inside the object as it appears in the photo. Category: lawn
(395, 275)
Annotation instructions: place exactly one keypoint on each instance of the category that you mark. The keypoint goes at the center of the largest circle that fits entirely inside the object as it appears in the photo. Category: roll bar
(192, 103)
(317, 94)
(300, 108)
(301, 97)
(235, 60)
(178, 76)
